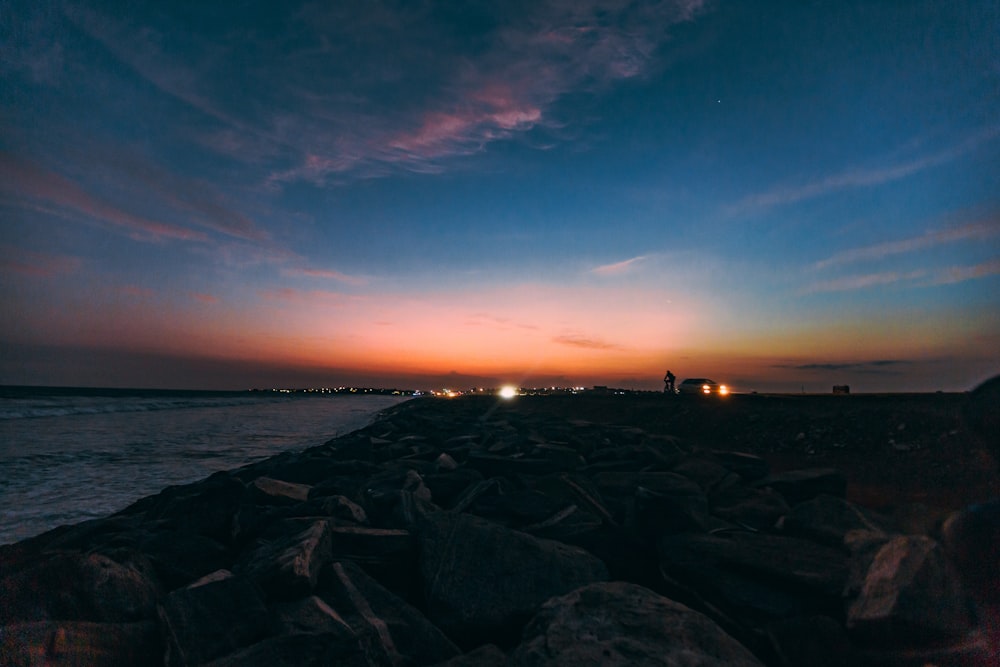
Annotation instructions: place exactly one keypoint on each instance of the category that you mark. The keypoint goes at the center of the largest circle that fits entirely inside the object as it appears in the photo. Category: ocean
(67, 455)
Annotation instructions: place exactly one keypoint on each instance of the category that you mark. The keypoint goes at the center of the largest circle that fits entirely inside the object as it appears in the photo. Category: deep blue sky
(779, 195)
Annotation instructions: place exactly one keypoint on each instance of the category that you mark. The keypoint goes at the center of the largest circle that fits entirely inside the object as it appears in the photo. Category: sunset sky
(782, 196)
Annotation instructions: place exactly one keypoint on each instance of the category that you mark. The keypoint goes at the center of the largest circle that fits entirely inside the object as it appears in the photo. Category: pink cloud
(136, 291)
(958, 274)
(864, 177)
(36, 264)
(204, 298)
(862, 282)
(618, 268)
(585, 342)
(22, 180)
(973, 232)
(327, 273)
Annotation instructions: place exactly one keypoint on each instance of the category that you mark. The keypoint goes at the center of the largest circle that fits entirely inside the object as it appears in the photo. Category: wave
(33, 408)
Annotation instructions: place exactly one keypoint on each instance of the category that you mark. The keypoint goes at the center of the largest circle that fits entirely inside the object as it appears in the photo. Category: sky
(780, 196)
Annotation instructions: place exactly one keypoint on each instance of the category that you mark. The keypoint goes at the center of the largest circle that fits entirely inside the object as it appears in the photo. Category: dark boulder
(618, 623)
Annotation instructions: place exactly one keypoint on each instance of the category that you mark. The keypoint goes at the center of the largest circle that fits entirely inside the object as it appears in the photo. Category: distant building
(842, 389)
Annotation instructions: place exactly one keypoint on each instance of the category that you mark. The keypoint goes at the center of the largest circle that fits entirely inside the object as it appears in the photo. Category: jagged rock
(310, 615)
(342, 508)
(910, 594)
(494, 465)
(483, 581)
(270, 491)
(78, 587)
(211, 620)
(748, 466)
(207, 507)
(618, 623)
(299, 650)
(816, 641)
(710, 475)
(447, 487)
(660, 503)
(760, 509)
(516, 508)
(402, 634)
(797, 564)
(57, 643)
(488, 655)
(800, 485)
(181, 557)
(563, 458)
(290, 566)
(828, 519)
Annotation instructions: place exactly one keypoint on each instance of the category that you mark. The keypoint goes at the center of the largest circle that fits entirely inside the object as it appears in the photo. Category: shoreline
(467, 529)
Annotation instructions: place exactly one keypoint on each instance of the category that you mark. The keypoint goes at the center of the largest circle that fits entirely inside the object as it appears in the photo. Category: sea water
(67, 455)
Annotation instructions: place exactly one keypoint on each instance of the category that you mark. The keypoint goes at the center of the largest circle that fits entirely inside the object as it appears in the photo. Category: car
(702, 386)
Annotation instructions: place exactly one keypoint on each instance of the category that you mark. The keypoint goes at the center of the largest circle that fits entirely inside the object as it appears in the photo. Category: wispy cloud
(204, 298)
(423, 88)
(973, 232)
(136, 291)
(877, 366)
(585, 342)
(329, 274)
(36, 264)
(959, 274)
(22, 181)
(862, 281)
(618, 268)
(862, 177)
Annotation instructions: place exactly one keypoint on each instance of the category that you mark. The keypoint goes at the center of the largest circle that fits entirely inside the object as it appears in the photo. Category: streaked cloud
(890, 366)
(24, 182)
(417, 89)
(958, 274)
(136, 291)
(862, 177)
(862, 281)
(618, 268)
(327, 274)
(585, 342)
(36, 264)
(973, 232)
(204, 298)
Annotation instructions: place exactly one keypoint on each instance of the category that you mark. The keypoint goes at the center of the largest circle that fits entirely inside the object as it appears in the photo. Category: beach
(633, 528)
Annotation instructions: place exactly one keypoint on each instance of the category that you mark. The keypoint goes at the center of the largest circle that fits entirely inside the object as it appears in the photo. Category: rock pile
(465, 533)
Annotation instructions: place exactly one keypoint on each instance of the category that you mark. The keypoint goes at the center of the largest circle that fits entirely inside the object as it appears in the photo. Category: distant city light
(508, 391)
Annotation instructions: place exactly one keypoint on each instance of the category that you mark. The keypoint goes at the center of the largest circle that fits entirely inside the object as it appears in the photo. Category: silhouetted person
(972, 536)
(668, 383)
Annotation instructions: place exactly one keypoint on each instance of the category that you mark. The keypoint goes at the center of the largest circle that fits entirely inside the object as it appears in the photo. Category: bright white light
(723, 390)
(508, 392)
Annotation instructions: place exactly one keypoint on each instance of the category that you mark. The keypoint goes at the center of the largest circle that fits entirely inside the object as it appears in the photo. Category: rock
(310, 615)
(710, 475)
(290, 566)
(827, 519)
(341, 508)
(206, 508)
(748, 466)
(800, 485)
(909, 594)
(180, 557)
(211, 620)
(483, 581)
(57, 643)
(760, 509)
(817, 641)
(269, 491)
(493, 465)
(660, 503)
(299, 650)
(447, 486)
(618, 623)
(402, 634)
(488, 655)
(796, 564)
(78, 587)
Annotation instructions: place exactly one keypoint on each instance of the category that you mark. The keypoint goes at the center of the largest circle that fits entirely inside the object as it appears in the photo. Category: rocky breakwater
(465, 532)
